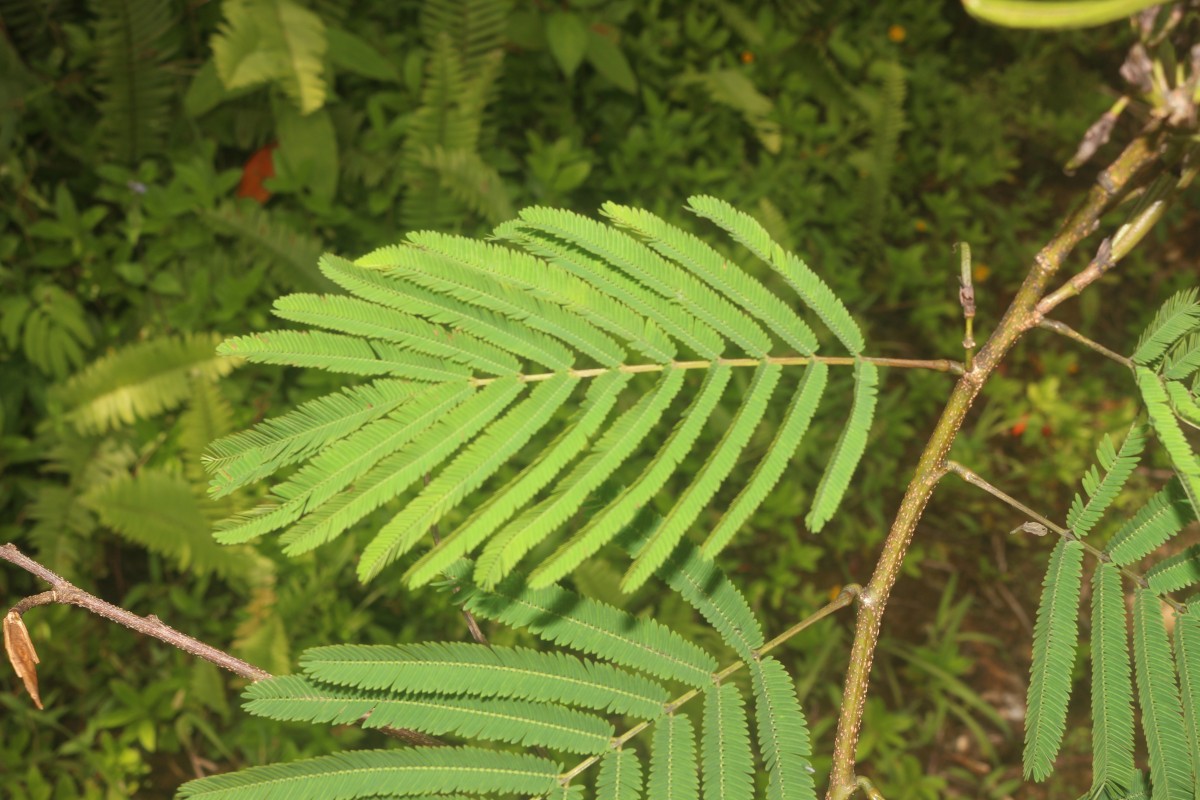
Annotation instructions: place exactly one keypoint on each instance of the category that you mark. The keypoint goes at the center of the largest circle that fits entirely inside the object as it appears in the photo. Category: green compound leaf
(513, 383)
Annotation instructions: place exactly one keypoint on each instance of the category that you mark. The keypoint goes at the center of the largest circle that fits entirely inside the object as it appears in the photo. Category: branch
(1022, 314)
(1071, 333)
(65, 592)
(974, 478)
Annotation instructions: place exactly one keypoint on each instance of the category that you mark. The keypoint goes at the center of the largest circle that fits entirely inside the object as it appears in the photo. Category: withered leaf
(21, 654)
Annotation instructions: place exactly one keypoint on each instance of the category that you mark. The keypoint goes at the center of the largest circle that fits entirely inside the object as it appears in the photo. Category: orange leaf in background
(21, 654)
(259, 167)
(1020, 427)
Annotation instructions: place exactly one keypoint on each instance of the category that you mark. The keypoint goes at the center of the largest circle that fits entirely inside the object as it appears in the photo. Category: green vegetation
(172, 175)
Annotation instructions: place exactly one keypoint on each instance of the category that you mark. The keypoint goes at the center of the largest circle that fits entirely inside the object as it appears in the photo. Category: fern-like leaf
(1101, 491)
(1166, 427)
(1162, 720)
(531, 275)
(133, 75)
(357, 317)
(709, 591)
(161, 512)
(728, 279)
(589, 626)
(480, 321)
(782, 732)
(608, 522)
(345, 461)
(447, 276)
(1054, 639)
(769, 470)
(616, 445)
(338, 353)
(617, 265)
(470, 180)
(397, 472)
(466, 473)
(374, 773)
(477, 27)
(673, 760)
(849, 449)
(1163, 516)
(140, 381)
(540, 240)
(620, 776)
(293, 252)
(295, 699)
(725, 744)
(601, 398)
(815, 293)
(486, 671)
(1184, 359)
(1177, 572)
(1177, 317)
(716, 468)
(278, 442)
(1112, 686)
(373, 285)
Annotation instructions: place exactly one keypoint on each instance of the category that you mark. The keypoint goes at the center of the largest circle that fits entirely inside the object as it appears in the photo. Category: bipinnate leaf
(815, 293)
(708, 590)
(1176, 572)
(472, 348)
(769, 469)
(1054, 638)
(21, 654)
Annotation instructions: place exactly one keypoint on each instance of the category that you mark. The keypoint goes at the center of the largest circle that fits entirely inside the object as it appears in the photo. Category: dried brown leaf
(21, 654)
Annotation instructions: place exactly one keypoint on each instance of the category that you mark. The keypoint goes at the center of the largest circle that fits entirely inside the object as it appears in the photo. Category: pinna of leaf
(475, 350)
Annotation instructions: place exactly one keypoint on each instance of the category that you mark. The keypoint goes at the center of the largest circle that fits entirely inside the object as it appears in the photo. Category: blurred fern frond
(135, 42)
(140, 381)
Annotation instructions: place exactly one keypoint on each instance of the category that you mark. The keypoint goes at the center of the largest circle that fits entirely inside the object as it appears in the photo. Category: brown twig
(64, 592)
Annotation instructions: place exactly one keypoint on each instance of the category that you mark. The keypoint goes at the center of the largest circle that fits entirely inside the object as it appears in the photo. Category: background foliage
(168, 168)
